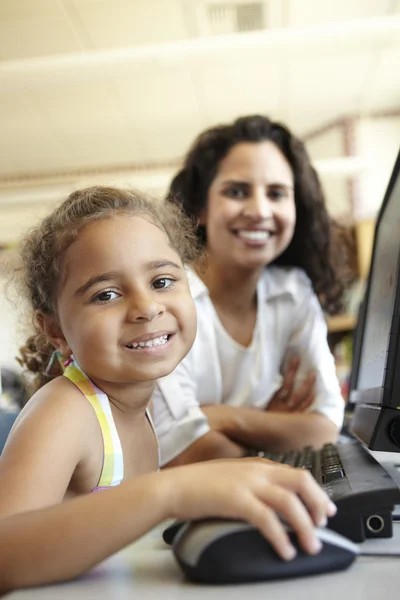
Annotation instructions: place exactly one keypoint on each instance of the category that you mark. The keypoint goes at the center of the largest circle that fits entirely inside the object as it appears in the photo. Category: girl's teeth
(254, 235)
(155, 342)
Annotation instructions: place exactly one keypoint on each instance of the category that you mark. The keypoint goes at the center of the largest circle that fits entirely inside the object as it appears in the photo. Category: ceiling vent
(230, 17)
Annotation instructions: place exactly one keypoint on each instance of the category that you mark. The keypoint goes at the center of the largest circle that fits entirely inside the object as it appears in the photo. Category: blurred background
(114, 91)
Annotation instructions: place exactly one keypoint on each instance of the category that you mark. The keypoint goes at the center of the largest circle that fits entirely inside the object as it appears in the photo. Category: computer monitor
(375, 380)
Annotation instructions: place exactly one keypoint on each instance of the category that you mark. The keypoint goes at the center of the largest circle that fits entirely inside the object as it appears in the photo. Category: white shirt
(219, 370)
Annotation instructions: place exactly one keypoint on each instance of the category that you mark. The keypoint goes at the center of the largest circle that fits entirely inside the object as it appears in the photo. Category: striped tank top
(112, 472)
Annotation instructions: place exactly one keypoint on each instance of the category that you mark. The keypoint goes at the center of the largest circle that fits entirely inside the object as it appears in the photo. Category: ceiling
(107, 85)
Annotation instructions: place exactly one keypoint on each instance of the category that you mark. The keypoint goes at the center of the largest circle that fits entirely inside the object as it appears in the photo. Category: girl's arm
(63, 541)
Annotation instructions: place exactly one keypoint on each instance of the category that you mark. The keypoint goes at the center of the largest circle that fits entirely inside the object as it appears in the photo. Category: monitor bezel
(384, 393)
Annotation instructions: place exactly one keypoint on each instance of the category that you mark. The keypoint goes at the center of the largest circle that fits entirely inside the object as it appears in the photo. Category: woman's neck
(233, 290)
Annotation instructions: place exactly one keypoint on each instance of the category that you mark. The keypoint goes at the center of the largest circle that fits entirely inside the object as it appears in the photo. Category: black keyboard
(363, 491)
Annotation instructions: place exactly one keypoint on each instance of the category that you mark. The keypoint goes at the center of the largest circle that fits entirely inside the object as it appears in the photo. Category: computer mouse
(219, 551)
(170, 532)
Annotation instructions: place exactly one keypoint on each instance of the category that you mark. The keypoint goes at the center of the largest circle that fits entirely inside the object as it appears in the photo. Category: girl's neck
(129, 400)
(233, 290)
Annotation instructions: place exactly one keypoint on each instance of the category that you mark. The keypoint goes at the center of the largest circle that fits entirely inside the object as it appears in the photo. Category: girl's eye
(163, 282)
(106, 296)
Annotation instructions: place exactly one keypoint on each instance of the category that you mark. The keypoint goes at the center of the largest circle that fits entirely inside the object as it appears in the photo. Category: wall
(11, 336)
(357, 191)
(330, 145)
(378, 142)
(22, 206)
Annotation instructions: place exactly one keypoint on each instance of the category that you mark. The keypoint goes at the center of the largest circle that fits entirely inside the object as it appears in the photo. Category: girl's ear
(53, 332)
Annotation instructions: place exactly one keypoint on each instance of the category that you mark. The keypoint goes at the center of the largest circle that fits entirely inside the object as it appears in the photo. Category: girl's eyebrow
(113, 275)
(161, 264)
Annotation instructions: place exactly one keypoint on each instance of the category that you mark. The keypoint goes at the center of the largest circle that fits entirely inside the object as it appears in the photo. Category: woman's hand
(252, 490)
(288, 399)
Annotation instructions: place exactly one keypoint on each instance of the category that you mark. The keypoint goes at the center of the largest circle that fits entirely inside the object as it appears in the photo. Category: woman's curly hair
(42, 250)
(314, 247)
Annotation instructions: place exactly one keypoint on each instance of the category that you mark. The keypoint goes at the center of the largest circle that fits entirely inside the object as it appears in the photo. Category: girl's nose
(145, 308)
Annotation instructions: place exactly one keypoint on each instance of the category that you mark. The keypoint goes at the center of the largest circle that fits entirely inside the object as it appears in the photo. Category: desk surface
(147, 570)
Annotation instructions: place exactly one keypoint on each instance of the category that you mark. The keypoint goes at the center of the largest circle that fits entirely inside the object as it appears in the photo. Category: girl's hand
(252, 490)
(287, 399)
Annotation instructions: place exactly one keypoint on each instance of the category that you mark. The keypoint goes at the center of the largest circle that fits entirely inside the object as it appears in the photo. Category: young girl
(257, 202)
(104, 275)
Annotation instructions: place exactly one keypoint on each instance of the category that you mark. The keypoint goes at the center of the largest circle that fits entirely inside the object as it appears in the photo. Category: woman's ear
(53, 332)
(202, 218)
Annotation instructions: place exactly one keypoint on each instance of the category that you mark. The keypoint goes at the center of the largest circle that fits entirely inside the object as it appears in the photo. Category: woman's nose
(258, 206)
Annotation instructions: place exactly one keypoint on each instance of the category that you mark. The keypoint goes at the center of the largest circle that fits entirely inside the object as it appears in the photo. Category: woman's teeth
(254, 235)
(160, 341)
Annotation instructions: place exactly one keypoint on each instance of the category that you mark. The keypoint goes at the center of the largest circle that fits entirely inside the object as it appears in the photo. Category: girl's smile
(152, 343)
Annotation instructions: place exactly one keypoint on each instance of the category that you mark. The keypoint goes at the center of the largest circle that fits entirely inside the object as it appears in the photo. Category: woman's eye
(235, 192)
(163, 282)
(277, 193)
(106, 296)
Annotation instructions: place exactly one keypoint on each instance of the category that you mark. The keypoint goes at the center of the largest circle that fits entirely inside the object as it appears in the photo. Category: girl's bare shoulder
(57, 401)
(54, 434)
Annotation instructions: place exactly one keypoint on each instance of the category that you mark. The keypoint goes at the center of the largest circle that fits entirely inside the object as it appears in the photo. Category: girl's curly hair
(314, 247)
(42, 250)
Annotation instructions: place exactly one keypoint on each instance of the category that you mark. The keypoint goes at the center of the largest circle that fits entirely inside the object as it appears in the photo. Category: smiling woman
(261, 340)
(250, 214)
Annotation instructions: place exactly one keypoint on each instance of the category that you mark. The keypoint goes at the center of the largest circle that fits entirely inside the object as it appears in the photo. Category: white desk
(147, 570)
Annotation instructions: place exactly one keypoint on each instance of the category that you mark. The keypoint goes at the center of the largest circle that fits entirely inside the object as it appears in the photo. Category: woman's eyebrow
(288, 186)
(241, 182)
(235, 182)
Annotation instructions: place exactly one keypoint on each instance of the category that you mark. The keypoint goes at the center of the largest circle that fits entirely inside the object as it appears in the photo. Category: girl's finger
(294, 513)
(260, 515)
(304, 485)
